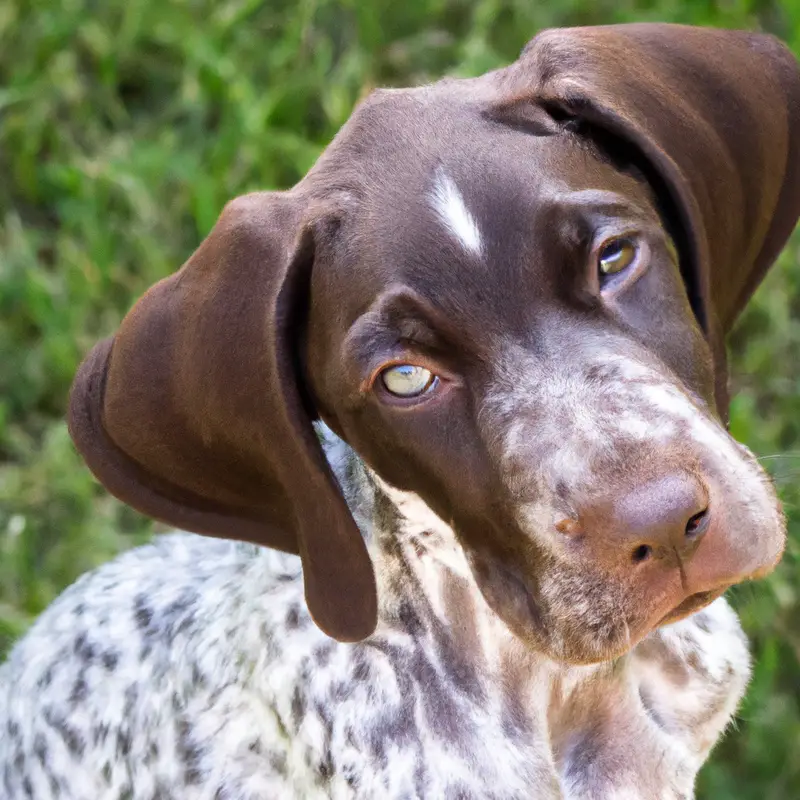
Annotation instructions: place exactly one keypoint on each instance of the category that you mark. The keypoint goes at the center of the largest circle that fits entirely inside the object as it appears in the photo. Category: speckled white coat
(190, 669)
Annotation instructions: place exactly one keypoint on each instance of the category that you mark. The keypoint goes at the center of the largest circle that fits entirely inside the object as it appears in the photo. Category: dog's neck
(654, 699)
(425, 586)
(416, 555)
(427, 594)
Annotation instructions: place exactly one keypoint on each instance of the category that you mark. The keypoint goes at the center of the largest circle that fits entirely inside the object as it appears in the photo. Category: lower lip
(691, 605)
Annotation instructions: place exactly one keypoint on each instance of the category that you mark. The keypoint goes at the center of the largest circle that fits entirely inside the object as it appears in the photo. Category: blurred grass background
(125, 125)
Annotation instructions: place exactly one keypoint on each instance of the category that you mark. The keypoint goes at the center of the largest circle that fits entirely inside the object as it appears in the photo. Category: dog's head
(509, 296)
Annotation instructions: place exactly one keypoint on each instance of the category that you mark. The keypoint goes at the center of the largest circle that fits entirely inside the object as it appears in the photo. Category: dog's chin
(557, 634)
(691, 605)
(604, 631)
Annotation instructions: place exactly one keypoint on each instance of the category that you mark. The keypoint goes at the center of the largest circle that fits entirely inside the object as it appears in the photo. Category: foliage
(125, 126)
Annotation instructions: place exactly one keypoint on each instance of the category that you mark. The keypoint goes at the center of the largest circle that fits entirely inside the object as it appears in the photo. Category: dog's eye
(408, 380)
(615, 256)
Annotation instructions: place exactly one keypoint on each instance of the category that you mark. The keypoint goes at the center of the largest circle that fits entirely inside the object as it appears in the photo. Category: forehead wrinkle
(405, 321)
(603, 200)
(454, 214)
(601, 207)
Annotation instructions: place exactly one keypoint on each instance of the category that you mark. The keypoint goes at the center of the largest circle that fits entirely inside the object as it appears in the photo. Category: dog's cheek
(657, 314)
(568, 613)
(595, 615)
(433, 451)
(688, 355)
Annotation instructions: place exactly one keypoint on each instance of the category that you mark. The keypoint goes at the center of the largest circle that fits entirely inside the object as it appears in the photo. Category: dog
(444, 430)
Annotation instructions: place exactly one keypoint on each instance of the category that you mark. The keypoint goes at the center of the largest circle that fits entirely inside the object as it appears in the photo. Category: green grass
(124, 128)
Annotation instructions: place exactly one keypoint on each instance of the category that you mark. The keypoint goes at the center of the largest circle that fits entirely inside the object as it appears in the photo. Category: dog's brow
(452, 211)
(602, 201)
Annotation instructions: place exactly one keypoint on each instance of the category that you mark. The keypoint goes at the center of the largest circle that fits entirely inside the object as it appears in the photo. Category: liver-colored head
(509, 296)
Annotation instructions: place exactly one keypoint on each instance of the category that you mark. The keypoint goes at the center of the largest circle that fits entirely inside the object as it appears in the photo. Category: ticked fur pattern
(190, 669)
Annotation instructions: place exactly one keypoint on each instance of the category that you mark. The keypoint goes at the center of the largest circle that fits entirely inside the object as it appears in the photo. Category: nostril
(697, 524)
(642, 553)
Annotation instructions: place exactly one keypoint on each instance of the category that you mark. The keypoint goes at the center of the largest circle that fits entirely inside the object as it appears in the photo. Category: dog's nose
(663, 519)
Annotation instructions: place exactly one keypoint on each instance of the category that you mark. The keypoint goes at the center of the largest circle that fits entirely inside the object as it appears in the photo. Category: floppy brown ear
(716, 116)
(194, 412)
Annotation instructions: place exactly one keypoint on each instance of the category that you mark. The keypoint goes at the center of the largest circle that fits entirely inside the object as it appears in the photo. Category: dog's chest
(389, 718)
(190, 670)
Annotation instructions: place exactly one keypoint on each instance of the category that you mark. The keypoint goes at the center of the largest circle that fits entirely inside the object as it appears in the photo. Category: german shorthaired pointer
(502, 302)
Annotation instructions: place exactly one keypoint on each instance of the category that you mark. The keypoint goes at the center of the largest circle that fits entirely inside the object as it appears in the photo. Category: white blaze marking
(454, 214)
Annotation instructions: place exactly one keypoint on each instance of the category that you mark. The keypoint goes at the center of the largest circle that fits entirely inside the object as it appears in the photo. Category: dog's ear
(194, 413)
(715, 116)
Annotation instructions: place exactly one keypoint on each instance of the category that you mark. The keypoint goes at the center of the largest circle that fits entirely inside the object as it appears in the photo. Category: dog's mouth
(691, 605)
(606, 635)
(572, 611)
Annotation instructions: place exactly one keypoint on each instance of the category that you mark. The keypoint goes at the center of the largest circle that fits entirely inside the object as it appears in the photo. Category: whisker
(771, 456)
(779, 476)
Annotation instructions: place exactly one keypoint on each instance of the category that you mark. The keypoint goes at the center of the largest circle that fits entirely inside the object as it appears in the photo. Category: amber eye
(408, 380)
(615, 256)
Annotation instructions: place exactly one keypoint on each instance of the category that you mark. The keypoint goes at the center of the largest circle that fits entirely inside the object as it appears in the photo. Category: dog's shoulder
(151, 599)
(147, 664)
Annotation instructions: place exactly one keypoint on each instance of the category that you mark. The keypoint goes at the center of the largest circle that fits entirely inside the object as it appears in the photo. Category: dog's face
(503, 329)
(509, 295)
